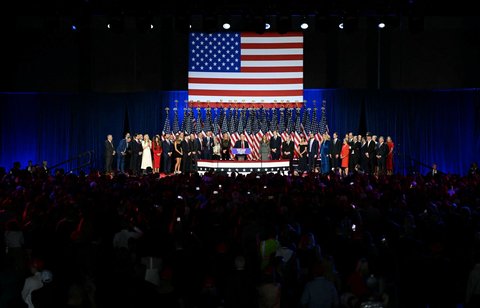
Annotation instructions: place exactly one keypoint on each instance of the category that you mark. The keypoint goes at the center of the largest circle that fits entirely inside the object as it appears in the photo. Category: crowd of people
(231, 240)
(177, 153)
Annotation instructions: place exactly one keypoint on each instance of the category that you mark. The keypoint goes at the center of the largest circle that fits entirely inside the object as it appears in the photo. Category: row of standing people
(353, 153)
(366, 154)
(139, 154)
(357, 153)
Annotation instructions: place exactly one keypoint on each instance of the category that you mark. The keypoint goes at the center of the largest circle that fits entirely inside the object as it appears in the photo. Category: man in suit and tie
(241, 144)
(335, 149)
(370, 154)
(287, 150)
(382, 152)
(207, 146)
(109, 153)
(194, 149)
(137, 151)
(433, 173)
(167, 151)
(275, 145)
(122, 152)
(186, 161)
(312, 151)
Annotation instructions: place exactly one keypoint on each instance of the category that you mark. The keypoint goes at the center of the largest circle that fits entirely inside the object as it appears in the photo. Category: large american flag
(240, 67)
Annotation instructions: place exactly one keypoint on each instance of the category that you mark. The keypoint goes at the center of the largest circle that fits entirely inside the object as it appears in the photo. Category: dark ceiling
(322, 7)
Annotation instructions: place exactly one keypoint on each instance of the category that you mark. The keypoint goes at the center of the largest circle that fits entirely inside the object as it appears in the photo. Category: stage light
(115, 24)
(74, 28)
(348, 23)
(381, 25)
(226, 26)
(267, 26)
(304, 26)
(151, 26)
(259, 24)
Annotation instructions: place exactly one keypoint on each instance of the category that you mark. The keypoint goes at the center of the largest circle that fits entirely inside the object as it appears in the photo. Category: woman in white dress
(147, 154)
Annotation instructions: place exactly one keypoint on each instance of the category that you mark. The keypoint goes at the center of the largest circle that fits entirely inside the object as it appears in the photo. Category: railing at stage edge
(82, 160)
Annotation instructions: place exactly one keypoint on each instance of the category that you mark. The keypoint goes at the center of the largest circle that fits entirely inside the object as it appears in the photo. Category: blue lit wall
(430, 126)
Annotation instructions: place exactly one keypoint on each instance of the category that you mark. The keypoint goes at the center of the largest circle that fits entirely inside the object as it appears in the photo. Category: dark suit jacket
(198, 146)
(276, 143)
(371, 149)
(335, 147)
(238, 144)
(288, 148)
(122, 146)
(314, 150)
(109, 148)
(185, 148)
(167, 147)
(382, 150)
(206, 143)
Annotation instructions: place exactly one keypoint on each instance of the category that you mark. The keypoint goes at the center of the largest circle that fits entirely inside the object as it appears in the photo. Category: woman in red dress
(157, 153)
(389, 165)
(344, 156)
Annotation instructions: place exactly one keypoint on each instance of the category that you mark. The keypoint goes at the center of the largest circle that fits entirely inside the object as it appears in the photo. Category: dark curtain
(426, 126)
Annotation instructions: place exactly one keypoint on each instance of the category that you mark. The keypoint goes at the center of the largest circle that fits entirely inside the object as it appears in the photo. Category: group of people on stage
(175, 153)
(180, 153)
(354, 153)
(139, 154)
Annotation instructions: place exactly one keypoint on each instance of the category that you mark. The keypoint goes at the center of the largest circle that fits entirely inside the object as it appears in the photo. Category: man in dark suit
(198, 143)
(382, 152)
(193, 148)
(335, 149)
(241, 144)
(275, 144)
(207, 146)
(434, 172)
(122, 152)
(370, 154)
(109, 153)
(312, 151)
(352, 161)
(167, 151)
(288, 150)
(186, 161)
(137, 151)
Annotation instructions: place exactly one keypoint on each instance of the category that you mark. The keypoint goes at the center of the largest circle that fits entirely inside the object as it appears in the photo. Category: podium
(241, 153)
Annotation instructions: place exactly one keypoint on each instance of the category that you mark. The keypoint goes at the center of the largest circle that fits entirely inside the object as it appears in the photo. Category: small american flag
(188, 122)
(166, 125)
(323, 121)
(258, 69)
(176, 127)
(315, 126)
(224, 122)
(297, 133)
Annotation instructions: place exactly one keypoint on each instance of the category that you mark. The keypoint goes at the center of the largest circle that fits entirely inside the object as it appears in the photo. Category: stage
(243, 167)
